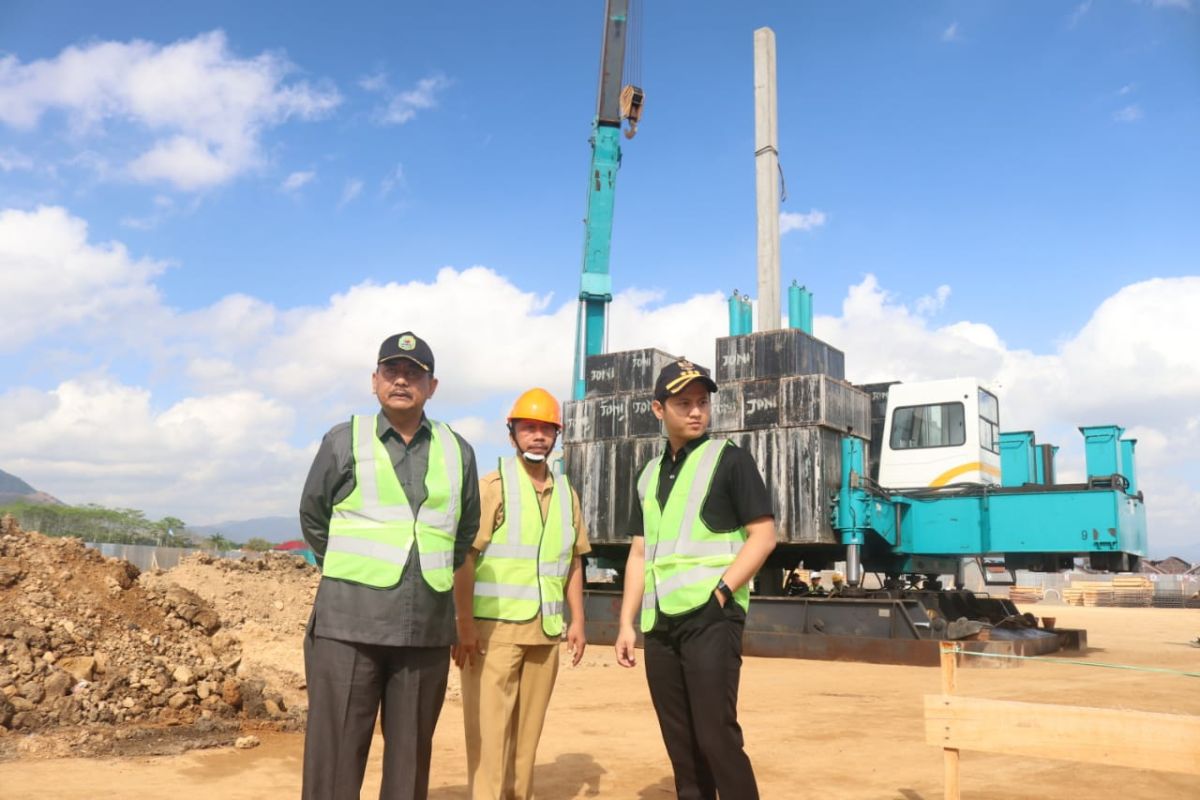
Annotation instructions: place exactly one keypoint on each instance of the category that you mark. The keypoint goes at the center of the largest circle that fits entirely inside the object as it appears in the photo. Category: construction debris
(263, 603)
(87, 649)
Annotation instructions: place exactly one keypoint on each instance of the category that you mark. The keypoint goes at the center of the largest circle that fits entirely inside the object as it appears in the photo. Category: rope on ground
(1077, 663)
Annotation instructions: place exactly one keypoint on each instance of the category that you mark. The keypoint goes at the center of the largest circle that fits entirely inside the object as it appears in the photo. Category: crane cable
(632, 96)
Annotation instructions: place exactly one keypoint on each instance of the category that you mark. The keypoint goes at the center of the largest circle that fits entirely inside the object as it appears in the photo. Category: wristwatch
(725, 590)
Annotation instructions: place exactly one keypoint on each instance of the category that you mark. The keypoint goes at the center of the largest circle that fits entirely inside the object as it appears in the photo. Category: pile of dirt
(264, 603)
(86, 649)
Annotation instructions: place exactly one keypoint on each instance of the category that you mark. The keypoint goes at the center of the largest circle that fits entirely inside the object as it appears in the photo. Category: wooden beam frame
(1137, 739)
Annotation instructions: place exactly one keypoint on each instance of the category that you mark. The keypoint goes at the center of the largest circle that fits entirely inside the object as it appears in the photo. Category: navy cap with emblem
(678, 374)
(407, 345)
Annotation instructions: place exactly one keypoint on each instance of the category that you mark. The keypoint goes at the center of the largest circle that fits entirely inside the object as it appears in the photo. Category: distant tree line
(94, 523)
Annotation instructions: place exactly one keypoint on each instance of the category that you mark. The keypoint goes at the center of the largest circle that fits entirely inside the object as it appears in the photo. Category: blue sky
(210, 214)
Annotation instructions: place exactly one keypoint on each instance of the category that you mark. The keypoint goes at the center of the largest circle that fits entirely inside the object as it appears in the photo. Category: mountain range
(13, 488)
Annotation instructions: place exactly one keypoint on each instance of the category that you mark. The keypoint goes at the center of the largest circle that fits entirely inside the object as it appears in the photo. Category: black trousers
(693, 665)
(348, 685)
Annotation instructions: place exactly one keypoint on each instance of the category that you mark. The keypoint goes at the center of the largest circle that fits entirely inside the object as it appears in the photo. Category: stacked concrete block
(626, 371)
(776, 354)
(610, 434)
(604, 473)
(782, 397)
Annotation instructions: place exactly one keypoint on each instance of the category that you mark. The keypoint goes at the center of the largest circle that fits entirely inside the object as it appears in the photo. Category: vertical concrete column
(766, 168)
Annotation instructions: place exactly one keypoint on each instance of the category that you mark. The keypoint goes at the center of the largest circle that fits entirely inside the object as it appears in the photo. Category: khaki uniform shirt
(491, 517)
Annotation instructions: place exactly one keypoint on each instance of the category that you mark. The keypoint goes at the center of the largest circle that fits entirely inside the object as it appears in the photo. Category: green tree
(94, 523)
(172, 532)
(219, 542)
(257, 544)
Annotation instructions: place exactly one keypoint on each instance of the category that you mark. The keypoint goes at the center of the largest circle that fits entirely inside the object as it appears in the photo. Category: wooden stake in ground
(949, 684)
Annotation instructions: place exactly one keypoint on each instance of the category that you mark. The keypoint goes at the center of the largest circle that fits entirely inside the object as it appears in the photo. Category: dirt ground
(813, 728)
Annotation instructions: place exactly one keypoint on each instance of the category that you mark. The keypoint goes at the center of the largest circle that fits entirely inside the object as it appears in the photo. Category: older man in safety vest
(526, 565)
(705, 527)
(390, 508)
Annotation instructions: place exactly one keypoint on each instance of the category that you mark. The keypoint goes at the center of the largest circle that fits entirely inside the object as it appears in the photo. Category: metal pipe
(854, 565)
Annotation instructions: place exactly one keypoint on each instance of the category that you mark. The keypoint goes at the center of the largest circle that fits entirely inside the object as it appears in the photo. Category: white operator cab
(940, 433)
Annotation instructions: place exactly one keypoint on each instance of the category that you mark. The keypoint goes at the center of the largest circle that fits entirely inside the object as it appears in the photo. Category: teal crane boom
(595, 289)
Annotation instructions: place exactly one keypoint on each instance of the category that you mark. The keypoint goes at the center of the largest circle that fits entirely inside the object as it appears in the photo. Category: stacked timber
(781, 397)
(1097, 593)
(1132, 590)
(1073, 597)
(1025, 594)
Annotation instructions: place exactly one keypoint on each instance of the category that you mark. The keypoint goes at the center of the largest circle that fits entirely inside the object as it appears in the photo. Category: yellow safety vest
(521, 574)
(372, 531)
(685, 559)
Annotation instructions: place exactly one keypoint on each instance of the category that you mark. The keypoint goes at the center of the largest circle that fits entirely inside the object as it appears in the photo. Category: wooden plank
(1117, 737)
(950, 755)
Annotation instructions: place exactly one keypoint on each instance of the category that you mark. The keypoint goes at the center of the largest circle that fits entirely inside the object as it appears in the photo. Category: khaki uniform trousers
(505, 696)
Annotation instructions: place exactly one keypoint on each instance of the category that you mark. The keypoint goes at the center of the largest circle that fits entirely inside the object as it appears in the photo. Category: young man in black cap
(390, 508)
(704, 527)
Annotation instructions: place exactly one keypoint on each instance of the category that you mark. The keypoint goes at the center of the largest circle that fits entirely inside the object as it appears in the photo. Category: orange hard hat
(537, 404)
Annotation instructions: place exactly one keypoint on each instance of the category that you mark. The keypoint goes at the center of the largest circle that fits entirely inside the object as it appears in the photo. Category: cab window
(934, 425)
(989, 421)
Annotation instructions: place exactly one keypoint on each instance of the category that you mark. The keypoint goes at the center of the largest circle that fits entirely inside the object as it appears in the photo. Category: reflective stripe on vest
(372, 530)
(521, 574)
(684, 558)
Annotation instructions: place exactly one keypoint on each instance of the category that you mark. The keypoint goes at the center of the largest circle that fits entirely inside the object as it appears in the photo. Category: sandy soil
(812, 729)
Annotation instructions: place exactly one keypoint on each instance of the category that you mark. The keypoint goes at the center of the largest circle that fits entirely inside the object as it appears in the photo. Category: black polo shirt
(737, 494)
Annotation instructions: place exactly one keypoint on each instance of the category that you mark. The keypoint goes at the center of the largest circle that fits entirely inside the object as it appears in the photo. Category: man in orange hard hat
(524, 567)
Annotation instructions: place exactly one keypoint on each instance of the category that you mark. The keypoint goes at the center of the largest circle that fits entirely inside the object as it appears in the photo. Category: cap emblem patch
(407, 342)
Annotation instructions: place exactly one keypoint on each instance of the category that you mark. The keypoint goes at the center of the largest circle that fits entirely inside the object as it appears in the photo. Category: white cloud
(1126, 89)
(142, 456)
(374, 83)
(933, 303)
(1079, 13)
(242, 390)
(951, 34)
(391, 181)
(799, 221)
(186, 162)
(11, 161)
(297, 180)
(351, 190)
(164, 206)
(51, 277)
(400, 107)
(1130, 113)
(206, 108)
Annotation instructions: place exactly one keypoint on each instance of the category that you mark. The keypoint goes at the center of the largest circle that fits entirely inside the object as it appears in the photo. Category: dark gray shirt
(409, 614)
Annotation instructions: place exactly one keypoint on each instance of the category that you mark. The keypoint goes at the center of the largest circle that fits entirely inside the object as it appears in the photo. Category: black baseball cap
(678, 374)
(407, 345)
